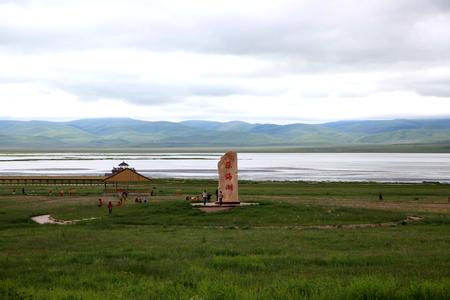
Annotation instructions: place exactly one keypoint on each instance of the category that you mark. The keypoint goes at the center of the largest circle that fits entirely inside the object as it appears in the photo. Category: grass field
(166, 249)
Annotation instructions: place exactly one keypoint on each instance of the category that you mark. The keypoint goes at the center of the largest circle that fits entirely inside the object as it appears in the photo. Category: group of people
(23, 191)
(122, 196)
(207, 197)
(72, 192)
(110, 205)
(140, 199)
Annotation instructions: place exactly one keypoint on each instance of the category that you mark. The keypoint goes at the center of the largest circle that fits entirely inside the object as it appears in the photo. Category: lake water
(383, 167)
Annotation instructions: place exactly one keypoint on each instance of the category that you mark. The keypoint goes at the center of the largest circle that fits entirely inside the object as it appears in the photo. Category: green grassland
(167, 250)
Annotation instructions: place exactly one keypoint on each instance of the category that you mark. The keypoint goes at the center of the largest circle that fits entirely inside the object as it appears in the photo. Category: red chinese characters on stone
(229, 187)
(228, 177)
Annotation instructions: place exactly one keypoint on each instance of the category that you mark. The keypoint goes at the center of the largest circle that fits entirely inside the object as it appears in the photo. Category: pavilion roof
(123, 164)
(126, 175)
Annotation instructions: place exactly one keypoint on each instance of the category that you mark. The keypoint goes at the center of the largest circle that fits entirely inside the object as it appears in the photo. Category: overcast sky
(259, 61)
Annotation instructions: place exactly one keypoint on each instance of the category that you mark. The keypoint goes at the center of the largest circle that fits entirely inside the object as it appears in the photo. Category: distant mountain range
(117, 133)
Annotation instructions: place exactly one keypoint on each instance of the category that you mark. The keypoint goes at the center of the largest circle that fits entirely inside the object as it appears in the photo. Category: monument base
(228, 203)
(216, 204)
(216, 207)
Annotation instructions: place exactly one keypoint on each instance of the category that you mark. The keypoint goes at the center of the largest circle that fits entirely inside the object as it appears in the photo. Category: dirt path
(408, 220)
(411, 207)
(48, 219)
(408, 206)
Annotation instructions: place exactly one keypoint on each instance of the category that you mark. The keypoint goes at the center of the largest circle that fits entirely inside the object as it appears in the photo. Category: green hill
(129, 133)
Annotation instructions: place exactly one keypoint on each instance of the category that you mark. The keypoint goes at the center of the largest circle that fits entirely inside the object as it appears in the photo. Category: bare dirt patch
(48, 219)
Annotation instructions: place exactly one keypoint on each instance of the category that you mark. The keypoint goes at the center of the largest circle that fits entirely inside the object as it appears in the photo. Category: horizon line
(231, 121)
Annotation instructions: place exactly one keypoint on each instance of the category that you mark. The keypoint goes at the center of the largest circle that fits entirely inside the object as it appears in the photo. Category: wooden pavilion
(51, 180)
(126, 179)
(121, 179)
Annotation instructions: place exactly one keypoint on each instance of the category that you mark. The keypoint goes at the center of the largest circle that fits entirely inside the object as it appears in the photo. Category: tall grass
(167, 250)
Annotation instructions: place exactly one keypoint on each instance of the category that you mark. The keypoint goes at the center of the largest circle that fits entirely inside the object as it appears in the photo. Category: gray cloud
(137, 91)
(369, 32)
(298, 37)
(437, 85)
(433, 88)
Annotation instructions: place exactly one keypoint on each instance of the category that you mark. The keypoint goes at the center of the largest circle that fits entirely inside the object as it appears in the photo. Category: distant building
(123, 165)
(127, 175)
(124, 178)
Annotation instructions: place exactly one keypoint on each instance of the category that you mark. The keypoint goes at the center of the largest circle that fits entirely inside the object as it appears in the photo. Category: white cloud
(265, 61)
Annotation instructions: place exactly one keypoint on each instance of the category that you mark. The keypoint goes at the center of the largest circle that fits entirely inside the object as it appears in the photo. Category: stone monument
(228, 178)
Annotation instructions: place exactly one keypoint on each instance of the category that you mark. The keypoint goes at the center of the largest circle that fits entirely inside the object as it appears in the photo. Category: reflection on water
(386, 167)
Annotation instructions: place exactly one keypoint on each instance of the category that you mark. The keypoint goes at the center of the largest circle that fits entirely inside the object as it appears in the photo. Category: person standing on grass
(380, 197)
(205, 197)
(110, 207)
(220, 198)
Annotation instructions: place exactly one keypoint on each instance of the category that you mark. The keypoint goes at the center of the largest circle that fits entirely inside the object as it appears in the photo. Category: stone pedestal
(228, 178)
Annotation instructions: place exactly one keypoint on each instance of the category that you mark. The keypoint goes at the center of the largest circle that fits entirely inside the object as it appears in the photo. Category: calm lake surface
(383, 167)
